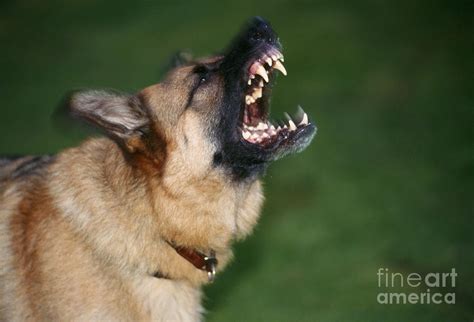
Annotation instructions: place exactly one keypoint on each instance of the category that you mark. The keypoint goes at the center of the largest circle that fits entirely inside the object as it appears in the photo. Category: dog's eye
(203, 73)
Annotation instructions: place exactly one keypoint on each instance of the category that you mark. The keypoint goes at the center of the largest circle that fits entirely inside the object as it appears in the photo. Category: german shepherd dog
(128, 227)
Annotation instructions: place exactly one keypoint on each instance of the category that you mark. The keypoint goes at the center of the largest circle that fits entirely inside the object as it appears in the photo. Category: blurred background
(387, 183)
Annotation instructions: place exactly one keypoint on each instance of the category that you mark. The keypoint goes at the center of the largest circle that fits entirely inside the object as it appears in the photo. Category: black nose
(259, 30)
(255, 38)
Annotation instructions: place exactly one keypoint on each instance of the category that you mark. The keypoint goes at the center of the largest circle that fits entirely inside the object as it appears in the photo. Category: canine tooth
(246, 135)
(304, 121)
(260, 84)
(280, 67)
(262, 72)
(292, 125)
(269, 61)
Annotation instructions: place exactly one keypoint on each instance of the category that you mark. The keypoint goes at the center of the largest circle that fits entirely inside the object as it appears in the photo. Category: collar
(199, 260)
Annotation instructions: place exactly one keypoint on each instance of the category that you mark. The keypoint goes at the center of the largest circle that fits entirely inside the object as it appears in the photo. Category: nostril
(257, 36)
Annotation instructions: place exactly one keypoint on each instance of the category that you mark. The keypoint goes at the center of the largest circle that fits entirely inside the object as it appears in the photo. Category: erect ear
(180, 58)
(120, 116)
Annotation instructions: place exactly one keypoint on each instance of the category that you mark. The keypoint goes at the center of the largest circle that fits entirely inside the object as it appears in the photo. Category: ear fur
(180, 58)
(120, 116)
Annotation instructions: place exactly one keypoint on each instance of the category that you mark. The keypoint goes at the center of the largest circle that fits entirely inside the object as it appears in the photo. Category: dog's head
(210, 113)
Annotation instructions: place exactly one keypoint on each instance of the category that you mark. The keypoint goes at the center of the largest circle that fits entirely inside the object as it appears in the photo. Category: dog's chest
(168, 300)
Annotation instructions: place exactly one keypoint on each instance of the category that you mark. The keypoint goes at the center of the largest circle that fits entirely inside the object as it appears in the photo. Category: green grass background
(388, 181)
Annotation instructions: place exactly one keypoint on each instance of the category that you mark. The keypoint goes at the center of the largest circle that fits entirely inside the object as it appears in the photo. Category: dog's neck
(148, 211)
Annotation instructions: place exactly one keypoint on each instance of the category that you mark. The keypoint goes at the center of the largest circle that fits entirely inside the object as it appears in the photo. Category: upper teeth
(280, 67)
(269, 61)
(262, 72)
(273, 59)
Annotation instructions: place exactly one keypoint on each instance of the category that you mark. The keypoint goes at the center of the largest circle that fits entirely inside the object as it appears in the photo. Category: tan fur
(81, 239)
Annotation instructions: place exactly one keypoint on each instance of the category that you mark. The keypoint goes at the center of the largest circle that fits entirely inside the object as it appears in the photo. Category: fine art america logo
(429, 288)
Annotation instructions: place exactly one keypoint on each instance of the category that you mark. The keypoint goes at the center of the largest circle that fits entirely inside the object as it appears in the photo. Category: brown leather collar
(199, 260)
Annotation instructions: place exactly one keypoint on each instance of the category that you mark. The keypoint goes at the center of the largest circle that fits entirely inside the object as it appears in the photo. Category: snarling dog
(131, 225)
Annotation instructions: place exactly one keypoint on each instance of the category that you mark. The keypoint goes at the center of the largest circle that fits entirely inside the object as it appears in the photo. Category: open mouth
(250, 138)
(256, 126)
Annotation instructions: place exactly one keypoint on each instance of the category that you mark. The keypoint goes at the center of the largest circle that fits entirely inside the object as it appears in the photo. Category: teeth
(252, 76)
(265, 135)
(304, 121)
(262, 126)
(260, 84)
(280, 67)
(246, 135)
(257, 93)
(292, 125)
(249, 99)
(262, 72)
(269, 61)
(275, 57)
(249, 82)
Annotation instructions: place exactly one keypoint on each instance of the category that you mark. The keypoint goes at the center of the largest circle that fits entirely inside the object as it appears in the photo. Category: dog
(129, 226)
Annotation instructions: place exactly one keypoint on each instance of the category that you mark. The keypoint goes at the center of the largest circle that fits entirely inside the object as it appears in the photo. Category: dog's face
(210, 113)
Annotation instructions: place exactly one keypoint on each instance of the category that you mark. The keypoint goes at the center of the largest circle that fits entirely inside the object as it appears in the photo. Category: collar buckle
(207, 263)
(210, 266)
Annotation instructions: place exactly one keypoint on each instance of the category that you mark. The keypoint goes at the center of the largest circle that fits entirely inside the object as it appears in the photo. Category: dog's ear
(120, 116)
(181, 58)
(178, 59)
